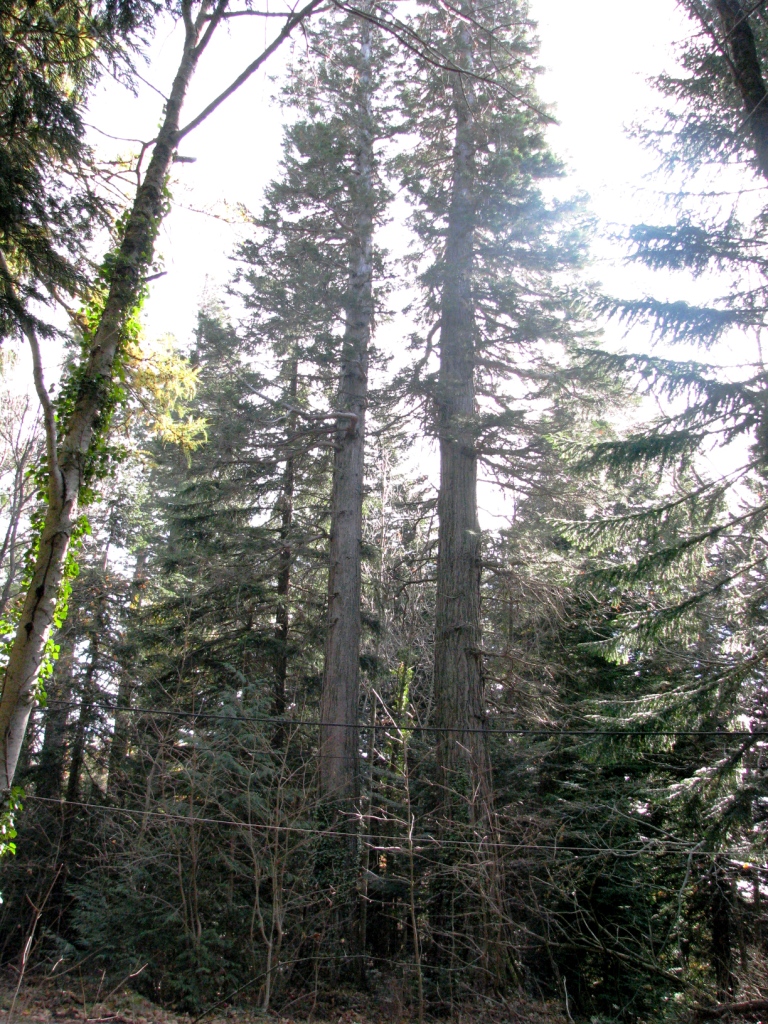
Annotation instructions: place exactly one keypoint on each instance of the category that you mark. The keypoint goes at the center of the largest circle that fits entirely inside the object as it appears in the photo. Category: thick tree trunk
(58, 903)
(721, 913)
(67, 465)
(740, 46)
(341, 677)
(79, 737)
(118, 746)
(459, 703)
(282, 613)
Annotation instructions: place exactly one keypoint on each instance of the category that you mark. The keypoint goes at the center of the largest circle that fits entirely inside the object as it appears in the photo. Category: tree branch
(412, 41)
(256, 14)
(290, 25)
(702, 1013)
(213, 21)
(49, 413)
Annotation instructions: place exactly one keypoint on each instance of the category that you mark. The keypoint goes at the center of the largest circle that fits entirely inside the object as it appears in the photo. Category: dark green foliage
(50, 201)
(172, 807)
(528, 315)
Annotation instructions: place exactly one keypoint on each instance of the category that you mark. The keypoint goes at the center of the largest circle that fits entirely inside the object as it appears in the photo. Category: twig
(254, 66)
(133, 974)
(701, 1013)
(49, 413)
(28, 944)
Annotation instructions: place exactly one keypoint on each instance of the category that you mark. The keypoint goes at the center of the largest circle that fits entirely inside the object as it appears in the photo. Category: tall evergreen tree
(494, 244)
(341, 690)
(684, 561)
(320, 242)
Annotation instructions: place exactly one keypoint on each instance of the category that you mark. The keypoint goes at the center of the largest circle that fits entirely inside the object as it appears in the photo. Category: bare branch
(412, 41)
(49, 413)
(290, 25)
(256, 14)
(750, 1006)
(213, 22)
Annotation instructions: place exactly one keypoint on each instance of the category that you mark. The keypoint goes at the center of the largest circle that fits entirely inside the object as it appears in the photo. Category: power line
(491, 729)
(438, 843)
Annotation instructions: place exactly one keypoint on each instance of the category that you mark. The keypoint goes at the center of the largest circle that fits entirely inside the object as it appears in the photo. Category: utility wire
(680, 847)
(491, 729)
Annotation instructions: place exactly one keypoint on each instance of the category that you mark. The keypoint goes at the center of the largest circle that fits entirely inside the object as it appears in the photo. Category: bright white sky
(597, 55)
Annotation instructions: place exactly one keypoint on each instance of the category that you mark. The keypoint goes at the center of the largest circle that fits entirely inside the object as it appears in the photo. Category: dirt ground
(46, 1003)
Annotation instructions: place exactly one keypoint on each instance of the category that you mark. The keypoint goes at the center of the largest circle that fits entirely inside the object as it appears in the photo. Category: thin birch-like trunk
(67, 457)
(22, 494)
(459, 702)
(341, 676)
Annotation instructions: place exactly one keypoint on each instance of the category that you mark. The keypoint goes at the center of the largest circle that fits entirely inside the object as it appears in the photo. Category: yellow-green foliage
(7, 820)
(159, 381)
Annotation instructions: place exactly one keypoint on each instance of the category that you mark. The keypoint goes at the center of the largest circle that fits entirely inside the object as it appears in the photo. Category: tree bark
(458, 682)
(50, 768)
(747, 74)
(67, 459)
(341, 676)
(23, 492)
(282, 612)
(749, 1006)
(721, 913)
(118, 746)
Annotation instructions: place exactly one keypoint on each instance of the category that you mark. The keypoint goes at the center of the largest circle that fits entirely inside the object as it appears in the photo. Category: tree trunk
(721, 913)
(50, 768)
(341, 676)
(89, 416)
(282, 613)
(77, 746)
(23, 491)
(459, 702)
(118, 747)
(740, 46)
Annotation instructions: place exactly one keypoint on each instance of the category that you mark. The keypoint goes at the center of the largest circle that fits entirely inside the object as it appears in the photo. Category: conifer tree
(321, 244)
(50, 55)
(489, 298)
(77, 427)
(705, 535)
(208, 661)
(341, 690)
(682, 555)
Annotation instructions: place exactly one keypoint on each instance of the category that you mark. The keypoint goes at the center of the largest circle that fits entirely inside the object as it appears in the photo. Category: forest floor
(48, 1003)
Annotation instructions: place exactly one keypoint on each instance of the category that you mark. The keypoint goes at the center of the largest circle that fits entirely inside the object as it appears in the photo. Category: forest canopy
(399, 636)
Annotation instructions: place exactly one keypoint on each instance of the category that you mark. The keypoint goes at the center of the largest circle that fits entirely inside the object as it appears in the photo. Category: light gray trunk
(66, 467)
(23, 491)
(458, 684)
(341, 676)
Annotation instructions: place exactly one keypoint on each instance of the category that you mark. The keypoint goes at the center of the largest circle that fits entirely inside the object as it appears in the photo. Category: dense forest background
(285, 711)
